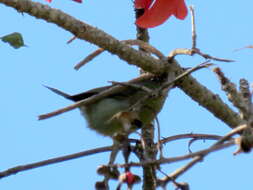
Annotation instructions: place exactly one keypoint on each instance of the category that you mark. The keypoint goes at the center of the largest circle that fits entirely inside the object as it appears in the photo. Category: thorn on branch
(204, 138)
(71, 39)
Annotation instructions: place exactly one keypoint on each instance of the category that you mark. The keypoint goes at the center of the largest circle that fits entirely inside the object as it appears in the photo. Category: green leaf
(15, 39)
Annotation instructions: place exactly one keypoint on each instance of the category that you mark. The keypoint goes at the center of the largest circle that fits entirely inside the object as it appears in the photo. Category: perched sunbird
(126, 109)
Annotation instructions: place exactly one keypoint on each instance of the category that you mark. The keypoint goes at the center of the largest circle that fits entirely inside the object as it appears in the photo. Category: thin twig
(89, 58)
(191, 52)
(187, 72)
(234, 131)
(22, 168)
(194, 50)
(159, 141)
(160, 183)
(177, 158)
(199, 157)
(194, 35)
(206, 56)
(246, 47)
(190, 135)
(195, 139)
(71, 39)
(216, 146)
(178, 172)
(127, 84)
(147, 47)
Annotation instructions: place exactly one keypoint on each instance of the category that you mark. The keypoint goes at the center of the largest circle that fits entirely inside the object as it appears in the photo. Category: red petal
(142, 4)
(49, 1)
(181, 10)
(161, 11)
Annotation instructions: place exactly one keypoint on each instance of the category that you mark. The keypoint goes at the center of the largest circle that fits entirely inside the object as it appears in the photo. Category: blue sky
(222, 27)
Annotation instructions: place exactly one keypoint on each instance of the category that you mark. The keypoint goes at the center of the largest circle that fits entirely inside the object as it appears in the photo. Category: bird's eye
(137, 123)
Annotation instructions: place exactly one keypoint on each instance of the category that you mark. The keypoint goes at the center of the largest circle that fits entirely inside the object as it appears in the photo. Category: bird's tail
(63, 94)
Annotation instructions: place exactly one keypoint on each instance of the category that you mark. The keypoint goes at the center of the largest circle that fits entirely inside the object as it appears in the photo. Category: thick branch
(87, 33)
(91, 34)
(212, 102)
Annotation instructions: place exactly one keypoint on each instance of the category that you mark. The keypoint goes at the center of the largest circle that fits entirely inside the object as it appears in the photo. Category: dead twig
(71, 39)
(177, 158)
(190, 135)
(246, 47)
(147, 47)
(194, 35)
(89, 58)
(198, 156)
(22, 168)
(194, 50)
(191, 52)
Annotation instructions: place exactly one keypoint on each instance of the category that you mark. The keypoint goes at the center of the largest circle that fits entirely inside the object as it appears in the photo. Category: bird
(124, 110)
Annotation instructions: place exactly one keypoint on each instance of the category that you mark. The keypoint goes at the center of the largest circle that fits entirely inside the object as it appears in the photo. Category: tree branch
(201, 154)
(177, 158)
(91, 34)
(88, 33)
(212, 102)
(21, 168)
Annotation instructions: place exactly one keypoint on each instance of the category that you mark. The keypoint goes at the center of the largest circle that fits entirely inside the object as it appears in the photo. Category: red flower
(158, 12)
(129, 178)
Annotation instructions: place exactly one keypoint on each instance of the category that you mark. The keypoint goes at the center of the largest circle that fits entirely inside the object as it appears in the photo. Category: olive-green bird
(125, 110)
